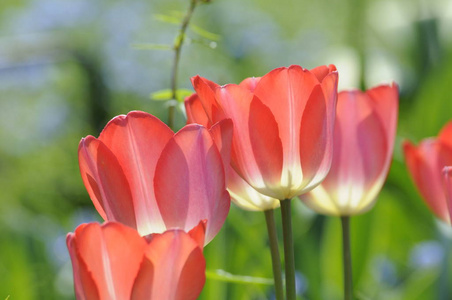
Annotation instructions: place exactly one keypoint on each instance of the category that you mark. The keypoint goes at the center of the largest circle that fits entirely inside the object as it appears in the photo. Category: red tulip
(138, 172)
(241, 192)
(425, 163)
(283, 126)
(447, 173)
(364, 136)
(113, 261)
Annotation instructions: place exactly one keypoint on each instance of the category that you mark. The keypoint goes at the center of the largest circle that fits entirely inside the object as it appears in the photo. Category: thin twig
(177, 51)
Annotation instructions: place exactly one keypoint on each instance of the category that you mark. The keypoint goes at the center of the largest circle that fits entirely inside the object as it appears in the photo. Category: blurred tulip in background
(426, 163)
(364, 137)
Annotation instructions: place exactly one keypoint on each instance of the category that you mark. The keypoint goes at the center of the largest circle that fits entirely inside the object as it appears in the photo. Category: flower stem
(347, 258)
(289, 260)
(445, 231)
(177, 47)
(276, 260)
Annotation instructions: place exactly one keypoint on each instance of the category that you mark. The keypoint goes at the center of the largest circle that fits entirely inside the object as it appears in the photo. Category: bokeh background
(68, 66)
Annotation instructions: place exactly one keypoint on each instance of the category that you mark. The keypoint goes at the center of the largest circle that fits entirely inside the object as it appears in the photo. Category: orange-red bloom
(241, 192)
(425, 163)
(113, 261)
(447, 176)
(283, 126)
(138, 172)
(364, 136)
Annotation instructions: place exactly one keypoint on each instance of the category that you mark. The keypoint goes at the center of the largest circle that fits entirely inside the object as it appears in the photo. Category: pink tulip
(447, 176)
(138, 172)
(241, 192)
(283, 126)
(112, 261)
(364, 136)
(426, 163)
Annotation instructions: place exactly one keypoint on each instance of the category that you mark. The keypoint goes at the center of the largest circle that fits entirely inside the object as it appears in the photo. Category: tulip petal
(385, 99)
(266, 144)
(315, 146)
(250, 83)
(192, 276)
(137, 141)
(179, 266)
(286, 91)
(105, 181)
(254, 126)
(360, 165)
(195, 111)
(363, 141)
(447, 176)
(112, 253)
(144, 283)
(245, 196)
(190, 182)
(445, 135)
(241, 192)
(323, 71)
(222, 135)
(198, 233)
(206, 93)
(84, 285)
(422, 167)
(425, 163)
(375, 154)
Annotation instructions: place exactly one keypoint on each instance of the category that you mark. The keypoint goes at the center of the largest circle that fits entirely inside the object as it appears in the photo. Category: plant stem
(289, 259)
(177, 51)
(446, 242)
(347, 258)
(443, 290)
(276, 260)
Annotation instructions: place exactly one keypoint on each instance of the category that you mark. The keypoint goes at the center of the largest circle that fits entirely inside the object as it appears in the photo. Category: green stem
(177, 50)
(347, 258)
(274, 250)
(289, 259)
(444, 286)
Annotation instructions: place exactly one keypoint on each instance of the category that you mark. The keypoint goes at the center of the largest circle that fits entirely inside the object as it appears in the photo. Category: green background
(68, 66)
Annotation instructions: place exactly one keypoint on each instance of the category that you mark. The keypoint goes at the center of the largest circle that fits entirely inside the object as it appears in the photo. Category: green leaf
(222, 275)
(204, 33)
(162, 95)
(171, 19)
(178, 40)
(7, 297)
(167, 94)
(146, 46)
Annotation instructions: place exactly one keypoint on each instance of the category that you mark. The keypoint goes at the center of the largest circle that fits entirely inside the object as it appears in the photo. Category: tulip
(283, 126)
(138, 172)
(241, 192)
(447, 173)
(364, 136)
(112, 261)
(282, 136)
(426, 163)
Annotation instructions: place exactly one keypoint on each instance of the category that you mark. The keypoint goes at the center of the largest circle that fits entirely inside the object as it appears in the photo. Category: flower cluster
(165, 195)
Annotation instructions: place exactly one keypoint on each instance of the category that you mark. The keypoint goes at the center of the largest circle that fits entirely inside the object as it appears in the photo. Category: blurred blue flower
(426, 255)
(384, 271)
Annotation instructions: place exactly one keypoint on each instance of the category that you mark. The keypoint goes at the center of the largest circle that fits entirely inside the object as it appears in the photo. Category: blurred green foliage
(67, 67)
